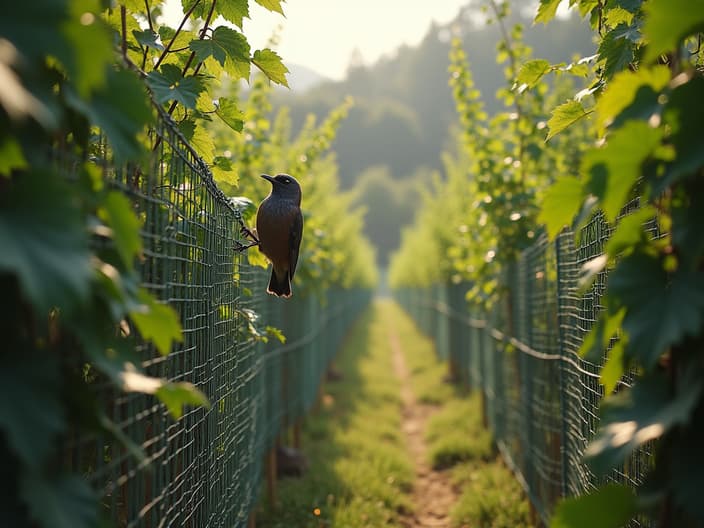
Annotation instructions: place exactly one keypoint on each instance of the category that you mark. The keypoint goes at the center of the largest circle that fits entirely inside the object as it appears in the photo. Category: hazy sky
(321, 34)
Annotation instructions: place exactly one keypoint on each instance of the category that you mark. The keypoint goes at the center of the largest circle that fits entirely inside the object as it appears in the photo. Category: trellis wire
(541, 399)
(205, 469)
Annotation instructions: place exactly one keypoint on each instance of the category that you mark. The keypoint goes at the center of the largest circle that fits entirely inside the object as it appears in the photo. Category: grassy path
(393, 445)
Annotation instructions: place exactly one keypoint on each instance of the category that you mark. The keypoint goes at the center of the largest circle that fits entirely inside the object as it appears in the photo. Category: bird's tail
(279, 285)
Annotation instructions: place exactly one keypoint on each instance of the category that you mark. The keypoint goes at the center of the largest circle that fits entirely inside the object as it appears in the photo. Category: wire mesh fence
(540, 397)
(205, 469)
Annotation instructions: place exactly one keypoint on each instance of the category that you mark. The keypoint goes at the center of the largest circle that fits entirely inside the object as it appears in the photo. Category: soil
(433, 494)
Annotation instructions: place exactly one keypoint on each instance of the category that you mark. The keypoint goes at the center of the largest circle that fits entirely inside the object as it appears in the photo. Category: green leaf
(169, 85)
(640, 88)
(44, 241)
(233, 10)
(231, 115)
(156, 322)
(661, 309)
(199, 138)
(630, 231)
(176, 395)
(638, 415)
(31, 414)
(271, 5)
(618, 15)
(223, 171)
(613, 369)
(224, 43)
(121, 118)
(11, 156)
(564, 116)
(531, 72)
(684, 114)
(116, 211)
(91, 44)
(148, 38)
(598, 338)
(562, 202)
(66, 501)
(613, 170)
(611, 506)
(547, 10)
(616, 51)
(668, 23)
(270, 63)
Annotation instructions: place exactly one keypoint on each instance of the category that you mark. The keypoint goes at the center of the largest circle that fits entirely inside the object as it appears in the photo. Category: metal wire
(541, 398)
(205, 469)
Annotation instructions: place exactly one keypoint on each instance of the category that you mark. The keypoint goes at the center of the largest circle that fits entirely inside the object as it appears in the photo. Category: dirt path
(433, 495)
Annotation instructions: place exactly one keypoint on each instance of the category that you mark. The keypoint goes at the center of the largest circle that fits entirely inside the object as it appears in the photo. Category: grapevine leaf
(11, 156)
(630, 231)
(121, 118)
(271, 5)
(616, 51)
(176, 395)
(270, 63)
(636, 92)
(547, 10)
(668, 22)
(223, 170)
(44, 242)
(156, 322)
(661, 309)
(91, 45)
(612, 371)
(532, 71)
(561, 204)
(169, 85)
(611, 506)
(684, 114)
(116, 211)
(564, 116)
(148, 38)
(638, 415)
(613, 170)
(598, 338)
(66, 501)
(31, 414)
(199, 138)
(225, 43)
(233, 10)
(231, 115)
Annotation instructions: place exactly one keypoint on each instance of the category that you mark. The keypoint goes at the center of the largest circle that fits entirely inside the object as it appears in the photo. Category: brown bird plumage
(279, 230)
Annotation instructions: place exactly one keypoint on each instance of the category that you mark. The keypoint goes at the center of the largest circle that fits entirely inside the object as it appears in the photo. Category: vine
(71, 243)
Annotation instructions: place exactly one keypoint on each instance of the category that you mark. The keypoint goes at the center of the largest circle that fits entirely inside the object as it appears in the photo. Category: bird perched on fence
(279, 231)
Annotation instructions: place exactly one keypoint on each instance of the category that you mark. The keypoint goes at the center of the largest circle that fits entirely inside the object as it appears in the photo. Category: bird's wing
(295, 242)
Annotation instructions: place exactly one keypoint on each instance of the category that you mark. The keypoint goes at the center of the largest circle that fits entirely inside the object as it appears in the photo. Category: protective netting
(541, 399)
(204, 469)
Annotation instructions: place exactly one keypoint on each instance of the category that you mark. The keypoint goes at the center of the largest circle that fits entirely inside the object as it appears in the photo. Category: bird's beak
(267, 177)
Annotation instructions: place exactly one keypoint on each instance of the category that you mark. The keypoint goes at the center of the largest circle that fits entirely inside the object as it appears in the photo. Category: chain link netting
(205, 469)
(540, 397)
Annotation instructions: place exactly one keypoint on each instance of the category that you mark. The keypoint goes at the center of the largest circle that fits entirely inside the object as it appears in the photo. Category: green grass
(491, 496)
(360, 472)
(455, 434)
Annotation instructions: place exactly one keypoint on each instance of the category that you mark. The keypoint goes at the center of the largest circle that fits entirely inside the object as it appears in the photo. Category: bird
(279, 231)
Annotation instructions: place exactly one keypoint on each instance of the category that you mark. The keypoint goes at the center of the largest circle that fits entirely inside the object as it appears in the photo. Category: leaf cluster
(482, 212)
(647, 117)
(75, 76)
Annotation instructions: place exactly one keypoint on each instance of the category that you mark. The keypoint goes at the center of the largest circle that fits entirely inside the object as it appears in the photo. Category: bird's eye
(286, 180)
